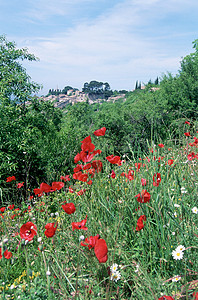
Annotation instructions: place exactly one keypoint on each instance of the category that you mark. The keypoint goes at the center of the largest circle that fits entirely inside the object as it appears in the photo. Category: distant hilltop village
(76, 96)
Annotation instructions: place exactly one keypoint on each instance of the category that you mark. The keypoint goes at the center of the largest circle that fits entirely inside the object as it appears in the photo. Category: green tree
(15, 83)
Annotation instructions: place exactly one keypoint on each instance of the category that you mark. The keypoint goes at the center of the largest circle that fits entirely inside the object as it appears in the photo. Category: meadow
(116, 227)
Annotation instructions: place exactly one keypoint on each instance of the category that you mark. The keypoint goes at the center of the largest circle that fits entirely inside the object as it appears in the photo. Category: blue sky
(118, 41)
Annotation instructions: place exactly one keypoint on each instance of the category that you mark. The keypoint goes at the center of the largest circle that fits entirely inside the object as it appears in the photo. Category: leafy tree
(15, 83)
(97, 89)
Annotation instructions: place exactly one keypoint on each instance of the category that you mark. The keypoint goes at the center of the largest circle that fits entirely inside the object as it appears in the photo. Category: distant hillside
(75, 96)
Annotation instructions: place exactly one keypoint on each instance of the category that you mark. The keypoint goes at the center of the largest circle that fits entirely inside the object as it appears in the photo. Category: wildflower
(100, 132)
(7, 254)
(113, 268)
(20, 184)
(39, 239)
(48, 273)
(161, 145)
(180, 248)
(176, 278)
(81, 238)
(90, 242)
(28, 231)
(143, 197)
(50, 229)
(183, 190)
(140, 224)
(195, 210)
(137, 268)
(176, 205)
(115, 276)
(156, 179)
(187, 133)
(113, 174)
(170, 162)
(2, 209)
(173, 233)
(186, 122)
(177, 254)
(101, 250)
(97, 165)
(11, 178)
(114, 159)
(79, 225)
(57, 185)
(11, 206)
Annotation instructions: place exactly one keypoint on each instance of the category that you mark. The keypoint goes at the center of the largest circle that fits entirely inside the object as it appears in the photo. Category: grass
(61, 268)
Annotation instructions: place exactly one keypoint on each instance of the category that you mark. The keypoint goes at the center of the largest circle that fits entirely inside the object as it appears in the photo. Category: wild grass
(61, 268)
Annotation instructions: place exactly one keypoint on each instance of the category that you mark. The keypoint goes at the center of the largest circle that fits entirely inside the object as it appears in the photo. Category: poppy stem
(78, 264)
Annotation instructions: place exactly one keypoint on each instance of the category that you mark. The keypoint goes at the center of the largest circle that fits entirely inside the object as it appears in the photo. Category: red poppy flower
(156, 179)
(186, 122)
(69, 208)
(170, 162)
(101, 250)
(89, 182)
(77, 158)
(20, 184)
(166, 298)
(90, 242)
(114, 159)
(65, 178)
(50, 229)
(144, 197)
(161, 145)
(11, 178)
(1, 216)
(57, 185)
(78, 168)
(187, 133)
(28, 231)
(100, 132)
(79, 225)
(11, 206)
(7, 254)
(140, 223)
(87, 166)
(0, 254)
(2, 209)
(87, 145)
(113, 174)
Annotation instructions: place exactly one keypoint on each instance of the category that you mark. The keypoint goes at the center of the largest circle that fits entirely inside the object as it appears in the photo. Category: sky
(114, 41)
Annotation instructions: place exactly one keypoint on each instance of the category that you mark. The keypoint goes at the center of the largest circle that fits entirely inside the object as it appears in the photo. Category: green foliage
(97, 89)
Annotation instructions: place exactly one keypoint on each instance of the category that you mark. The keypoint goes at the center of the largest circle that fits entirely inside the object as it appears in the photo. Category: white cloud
(116, 46)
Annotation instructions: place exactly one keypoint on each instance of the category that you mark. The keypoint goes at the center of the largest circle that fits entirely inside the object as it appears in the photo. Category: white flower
(195, 210)
(176, 205)
(39, 239)
(137, 268)
(12, 286)
(56, 213)
(176, 278)
(180, 248)
(173, 233)
(115, 276)
(183, 190)
(175, 214)
(48, 273)
(5, 240)
(114, 268)
(52, 214)
(81, 238)
(177, 254)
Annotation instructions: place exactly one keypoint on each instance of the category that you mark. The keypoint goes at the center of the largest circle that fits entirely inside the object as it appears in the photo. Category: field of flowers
(114, 229)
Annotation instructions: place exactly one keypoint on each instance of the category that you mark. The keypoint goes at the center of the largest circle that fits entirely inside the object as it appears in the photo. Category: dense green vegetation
(98, 201)
(37, 140)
